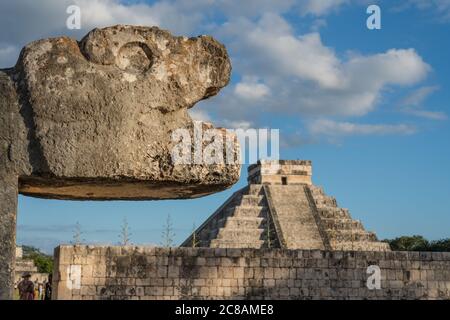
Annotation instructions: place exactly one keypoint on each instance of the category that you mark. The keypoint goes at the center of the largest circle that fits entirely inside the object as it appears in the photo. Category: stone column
(9, 137)
(8, 209)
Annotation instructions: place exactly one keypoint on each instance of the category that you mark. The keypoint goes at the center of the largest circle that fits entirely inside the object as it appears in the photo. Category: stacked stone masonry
(340, 230)
(280, 172)
(141, 273)
(242, 222)
(295, 215)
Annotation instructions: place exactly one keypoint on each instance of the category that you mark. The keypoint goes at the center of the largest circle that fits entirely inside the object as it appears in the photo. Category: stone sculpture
(94, 120)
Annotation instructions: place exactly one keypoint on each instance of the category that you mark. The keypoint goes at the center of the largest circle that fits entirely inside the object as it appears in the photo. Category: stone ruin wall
(27, 265)
(97, 272)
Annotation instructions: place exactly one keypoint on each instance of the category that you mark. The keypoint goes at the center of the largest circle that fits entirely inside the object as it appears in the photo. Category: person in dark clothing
(48, 288)
(26, 288)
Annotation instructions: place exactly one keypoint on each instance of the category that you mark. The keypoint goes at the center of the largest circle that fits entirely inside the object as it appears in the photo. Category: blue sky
(368, 107)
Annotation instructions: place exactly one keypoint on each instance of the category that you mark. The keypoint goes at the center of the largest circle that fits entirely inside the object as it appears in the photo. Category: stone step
(298, 220)
(215, 223)
(350, 235)
(217, 243)
(299, 204)
(255, 189)
(247, 211)
(240, 234)
(320, 198)
(218, 222)
(341, 224)
(333, 213)
(237, 222)
(306, 230)
(325, 201)
(236, 201)
(316, 191)
(252, 200)
(208, 233)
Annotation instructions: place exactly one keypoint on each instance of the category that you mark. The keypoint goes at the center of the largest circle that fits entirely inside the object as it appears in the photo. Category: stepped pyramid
(281, 208)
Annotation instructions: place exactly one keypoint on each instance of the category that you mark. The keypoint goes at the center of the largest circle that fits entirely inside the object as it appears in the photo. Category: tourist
(36, 290)
(48, 288)
(40, 291)
(26, 288)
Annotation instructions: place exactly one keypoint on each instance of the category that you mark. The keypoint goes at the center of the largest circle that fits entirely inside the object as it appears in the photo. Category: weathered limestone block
(8, 207)
(94, 120)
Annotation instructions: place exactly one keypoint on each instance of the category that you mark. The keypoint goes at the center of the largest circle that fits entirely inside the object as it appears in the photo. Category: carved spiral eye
(134, 57)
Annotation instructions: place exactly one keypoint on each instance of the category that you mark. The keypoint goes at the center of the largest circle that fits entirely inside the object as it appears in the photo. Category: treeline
(43, 262)
(418, 243)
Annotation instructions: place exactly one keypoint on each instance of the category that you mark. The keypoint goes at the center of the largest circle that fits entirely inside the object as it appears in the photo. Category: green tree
(440, 245)
(418, 243)
(43, 262)
(409, 243)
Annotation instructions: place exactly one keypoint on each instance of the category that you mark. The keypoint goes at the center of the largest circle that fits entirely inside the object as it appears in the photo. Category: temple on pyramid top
(281, 208)
(280, 172)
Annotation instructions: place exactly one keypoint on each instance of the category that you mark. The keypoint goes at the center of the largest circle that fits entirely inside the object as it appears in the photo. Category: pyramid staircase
(242, 222)
(342, 232)
(291, 209)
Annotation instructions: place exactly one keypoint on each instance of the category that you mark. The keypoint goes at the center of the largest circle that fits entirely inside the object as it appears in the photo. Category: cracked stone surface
(93, 120)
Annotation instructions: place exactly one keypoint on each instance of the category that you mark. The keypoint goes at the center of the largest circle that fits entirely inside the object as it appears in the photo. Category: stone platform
(142, 273)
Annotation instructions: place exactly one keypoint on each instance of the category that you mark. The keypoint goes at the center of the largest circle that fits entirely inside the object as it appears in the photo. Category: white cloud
(252, 90)
(296, 139)
(432, 115)
(317, 24)
(333, 128)
(101, 13)
(273, 47)
(23, 21)
(282, 72)
(321, 7)
(255, 8)
(417, 97)
(251, 8)
(413, 104)
(237, 124)
(305, 77)
(441, 7)
(199, 115)
(396, 66)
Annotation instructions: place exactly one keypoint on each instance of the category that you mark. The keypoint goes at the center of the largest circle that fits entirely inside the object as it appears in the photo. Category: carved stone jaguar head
(94, 119)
